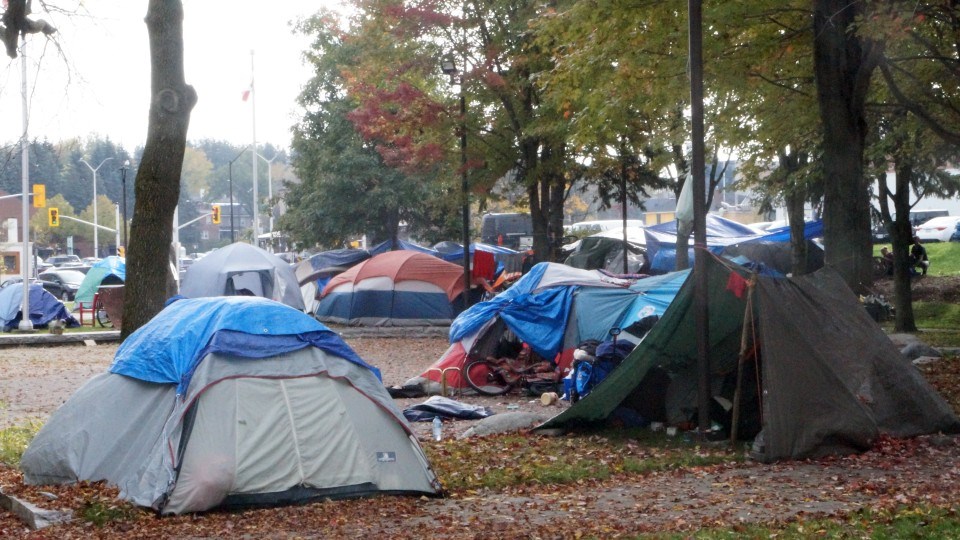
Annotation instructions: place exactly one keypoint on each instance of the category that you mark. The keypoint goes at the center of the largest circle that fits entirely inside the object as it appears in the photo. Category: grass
(903, 522)
(520, 459)
(944, 257)
(14, 440)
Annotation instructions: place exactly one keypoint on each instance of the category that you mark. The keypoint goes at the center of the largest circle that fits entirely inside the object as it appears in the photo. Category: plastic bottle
(437, 427)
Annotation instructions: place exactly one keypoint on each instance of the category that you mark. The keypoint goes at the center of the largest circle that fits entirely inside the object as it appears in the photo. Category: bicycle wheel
(482, 376)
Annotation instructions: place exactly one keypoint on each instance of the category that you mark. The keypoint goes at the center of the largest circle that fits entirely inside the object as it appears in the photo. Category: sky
(100, 84)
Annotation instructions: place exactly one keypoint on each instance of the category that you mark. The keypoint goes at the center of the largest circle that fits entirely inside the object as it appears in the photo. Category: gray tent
(231, 429)
(818, 374)
(240, 269)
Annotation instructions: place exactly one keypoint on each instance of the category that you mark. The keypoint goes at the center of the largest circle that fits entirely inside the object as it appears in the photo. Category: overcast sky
(102, 85)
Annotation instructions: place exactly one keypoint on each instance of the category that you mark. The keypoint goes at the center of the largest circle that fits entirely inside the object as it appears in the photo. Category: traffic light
(53, 217)
(216, 213)
(39, 195)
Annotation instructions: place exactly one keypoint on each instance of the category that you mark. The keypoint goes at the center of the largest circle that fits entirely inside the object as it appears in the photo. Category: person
(918, 256)
(887, 260)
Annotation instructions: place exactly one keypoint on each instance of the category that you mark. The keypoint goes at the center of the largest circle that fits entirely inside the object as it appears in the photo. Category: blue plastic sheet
(169, 347)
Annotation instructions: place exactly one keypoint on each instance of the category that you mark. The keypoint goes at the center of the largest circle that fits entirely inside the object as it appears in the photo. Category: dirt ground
(36, 380)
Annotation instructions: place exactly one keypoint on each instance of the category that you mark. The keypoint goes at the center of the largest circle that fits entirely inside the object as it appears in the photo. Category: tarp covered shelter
(110, 270)
(830, 380)
(314, 272)
(774, 250)
(552, 309)
(242, 269)
(661, 240)
(232, 402)
(605, 250)
(44, 307)
(395, 288)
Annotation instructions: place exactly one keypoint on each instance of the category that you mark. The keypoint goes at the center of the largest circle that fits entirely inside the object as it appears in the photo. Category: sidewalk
(17, 339)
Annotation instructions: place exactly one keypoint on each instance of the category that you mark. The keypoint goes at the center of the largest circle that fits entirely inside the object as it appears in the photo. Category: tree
(55, 236)
(195, 176)
(347, 187)
(158, 177)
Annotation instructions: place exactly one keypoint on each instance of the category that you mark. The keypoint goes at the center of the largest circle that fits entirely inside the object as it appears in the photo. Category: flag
(246, 93)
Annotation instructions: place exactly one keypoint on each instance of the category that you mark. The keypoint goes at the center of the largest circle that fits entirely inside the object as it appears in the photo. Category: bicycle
(497, 376)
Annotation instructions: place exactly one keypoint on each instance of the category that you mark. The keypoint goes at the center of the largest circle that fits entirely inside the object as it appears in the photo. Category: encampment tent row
(232, 402)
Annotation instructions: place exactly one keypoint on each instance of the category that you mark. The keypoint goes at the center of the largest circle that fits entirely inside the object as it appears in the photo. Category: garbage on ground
(444, 407)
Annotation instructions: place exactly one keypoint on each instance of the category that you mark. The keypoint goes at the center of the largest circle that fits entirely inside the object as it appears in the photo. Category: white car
(938, 229)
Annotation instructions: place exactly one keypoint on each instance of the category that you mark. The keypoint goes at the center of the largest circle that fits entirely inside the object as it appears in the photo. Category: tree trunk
(149, 281)
(795, 196)
(901, 235)
(843, 65)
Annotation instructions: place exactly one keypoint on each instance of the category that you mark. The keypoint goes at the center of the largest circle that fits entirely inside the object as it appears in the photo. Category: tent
(110, 270)
(395, 288)
(661, 240)
(314, 272)
(401, 245)
(44, 307)
(730, 238)
(819, 376)
(552, 309)
(605, 250)
(232, 402)
(240, 269)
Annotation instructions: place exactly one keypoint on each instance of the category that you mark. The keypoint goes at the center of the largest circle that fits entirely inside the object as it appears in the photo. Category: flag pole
(253, 157)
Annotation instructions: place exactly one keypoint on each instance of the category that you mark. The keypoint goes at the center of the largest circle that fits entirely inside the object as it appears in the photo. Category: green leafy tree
(347, 189)
(55, 237)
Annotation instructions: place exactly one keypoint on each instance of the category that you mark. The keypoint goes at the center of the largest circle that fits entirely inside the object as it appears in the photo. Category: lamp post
(270, 190)
(96, 247)
(26, 325)
(123, 185)
(230, 171)
(449, 67)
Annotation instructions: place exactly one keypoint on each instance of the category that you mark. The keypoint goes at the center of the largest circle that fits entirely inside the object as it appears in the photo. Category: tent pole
(745, 343)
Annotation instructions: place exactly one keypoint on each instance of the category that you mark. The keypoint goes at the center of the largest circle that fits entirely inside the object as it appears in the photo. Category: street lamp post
(449, 67)
(230, 171)
(96, 247)
(123, 185)
(270, 190)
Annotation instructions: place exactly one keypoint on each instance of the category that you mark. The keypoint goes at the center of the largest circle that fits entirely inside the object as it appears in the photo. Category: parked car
(64, 260)
(938, 229)
(89, 260)
(67, 278)
(955, 237)
(51, 287)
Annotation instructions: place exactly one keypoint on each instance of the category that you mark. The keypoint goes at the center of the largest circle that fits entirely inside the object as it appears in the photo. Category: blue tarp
(108, 266)
(662, 239)
(169, 347)
(540, 318)
(811, 229)
(338, 258)
(44, 307)
(385, 246)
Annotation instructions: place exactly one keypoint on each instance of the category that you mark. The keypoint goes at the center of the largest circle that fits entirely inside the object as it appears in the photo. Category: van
(505, 229)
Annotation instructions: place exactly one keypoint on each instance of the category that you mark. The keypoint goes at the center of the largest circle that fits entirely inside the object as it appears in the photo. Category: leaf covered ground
(600, 484)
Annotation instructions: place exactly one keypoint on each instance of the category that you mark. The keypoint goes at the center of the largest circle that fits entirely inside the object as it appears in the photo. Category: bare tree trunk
(149, 280)
(843, 65)
(901, 235)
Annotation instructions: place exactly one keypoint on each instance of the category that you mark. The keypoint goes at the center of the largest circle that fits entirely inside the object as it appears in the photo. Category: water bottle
(437, 426)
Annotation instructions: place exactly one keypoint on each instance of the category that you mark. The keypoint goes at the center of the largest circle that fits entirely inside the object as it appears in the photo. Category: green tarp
(831, 381)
